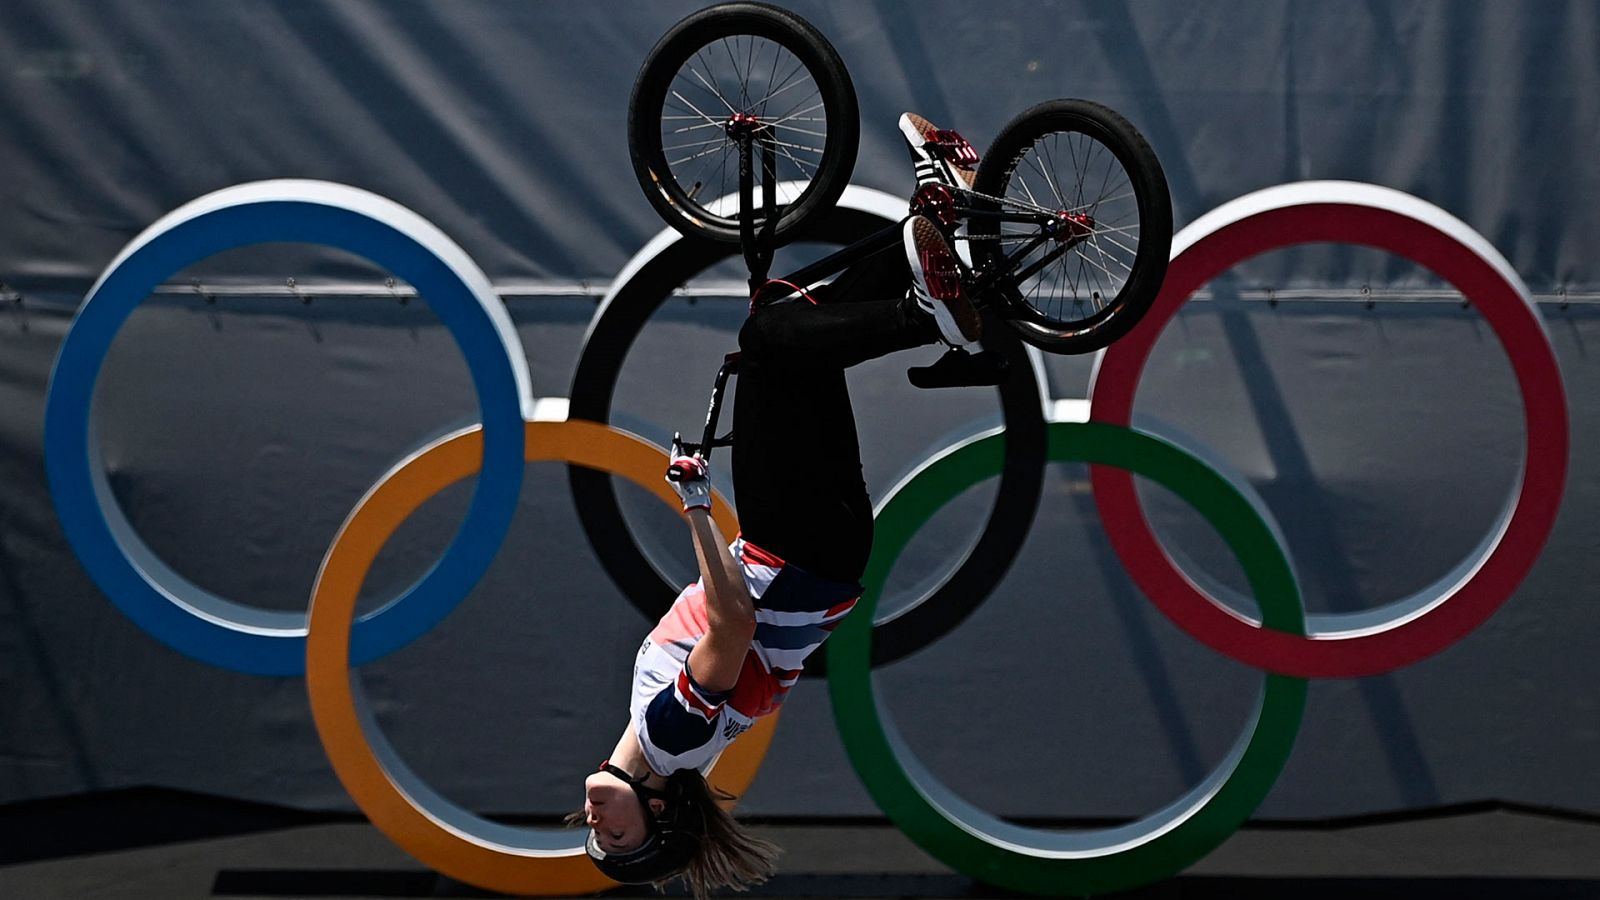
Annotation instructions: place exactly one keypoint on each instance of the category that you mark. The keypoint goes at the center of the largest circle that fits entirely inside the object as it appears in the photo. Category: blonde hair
(729, 856)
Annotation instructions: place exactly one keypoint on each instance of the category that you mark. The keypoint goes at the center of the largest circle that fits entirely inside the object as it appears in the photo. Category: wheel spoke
(677, 162)
(685, 101)
(1104, 179)
(1045, 174)
(782, 148)
(821, 134)
(790, 86)
(1072, 155)
(1087, 280)
(1121, 181)
(687, 128)
(777, 54)
(1116, 243)
(1061, 290)
(750, 61)
(1093, 264)
(1089, 208)
(816, 150)
(1027, 190)
(751, 75)
(710, 87)
(744, 84)
(1124, 230)
(716, 140)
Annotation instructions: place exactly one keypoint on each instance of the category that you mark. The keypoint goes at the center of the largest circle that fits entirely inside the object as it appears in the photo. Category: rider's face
(611, 809)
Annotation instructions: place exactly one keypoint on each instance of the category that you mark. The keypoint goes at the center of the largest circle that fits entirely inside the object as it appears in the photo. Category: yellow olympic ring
(436, 832)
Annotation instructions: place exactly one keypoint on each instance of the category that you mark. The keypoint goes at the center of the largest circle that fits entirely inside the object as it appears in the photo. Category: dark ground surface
(164, 846)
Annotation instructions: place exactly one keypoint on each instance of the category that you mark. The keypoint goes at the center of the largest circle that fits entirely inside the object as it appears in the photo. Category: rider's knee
(756, 340)
(750, 337)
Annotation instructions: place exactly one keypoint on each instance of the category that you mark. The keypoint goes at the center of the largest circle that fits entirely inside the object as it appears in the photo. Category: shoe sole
(916, 129)
(957, 317)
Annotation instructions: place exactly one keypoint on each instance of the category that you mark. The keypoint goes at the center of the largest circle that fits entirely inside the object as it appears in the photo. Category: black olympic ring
(611, 334)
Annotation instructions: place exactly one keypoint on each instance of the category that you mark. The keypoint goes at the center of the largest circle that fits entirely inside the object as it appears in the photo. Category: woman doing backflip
(734, 642)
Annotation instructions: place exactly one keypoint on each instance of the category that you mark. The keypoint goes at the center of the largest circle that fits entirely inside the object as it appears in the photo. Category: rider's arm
(730, 615)
(717, 658)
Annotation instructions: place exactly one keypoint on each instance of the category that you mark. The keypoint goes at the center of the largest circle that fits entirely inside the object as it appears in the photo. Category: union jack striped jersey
(680, 724)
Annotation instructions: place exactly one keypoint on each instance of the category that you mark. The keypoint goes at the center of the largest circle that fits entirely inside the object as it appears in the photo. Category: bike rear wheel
(1086, 276)
(741, 65)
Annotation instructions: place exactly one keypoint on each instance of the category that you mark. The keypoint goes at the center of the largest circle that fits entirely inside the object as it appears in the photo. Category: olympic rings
(180, 613)
(429, 827)
(1077, 863)
(496, 857)
(639, 289)
(1406, 630)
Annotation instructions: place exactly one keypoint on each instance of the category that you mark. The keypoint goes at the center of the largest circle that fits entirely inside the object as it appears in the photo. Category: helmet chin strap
(643, 791)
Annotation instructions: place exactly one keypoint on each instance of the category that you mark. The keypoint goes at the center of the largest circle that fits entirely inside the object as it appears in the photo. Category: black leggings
(796, 458)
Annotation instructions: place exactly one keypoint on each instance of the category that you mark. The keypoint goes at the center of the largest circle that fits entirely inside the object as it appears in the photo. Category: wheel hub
(743, 124)
(1071, 228)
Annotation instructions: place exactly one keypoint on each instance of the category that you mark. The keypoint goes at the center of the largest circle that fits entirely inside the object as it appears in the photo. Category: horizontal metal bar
(737, 290)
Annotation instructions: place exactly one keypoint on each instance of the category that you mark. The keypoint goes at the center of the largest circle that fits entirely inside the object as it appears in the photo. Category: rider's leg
(796, 458)
(881, 276)
(831, 331)
(797, 467)
(834, 334)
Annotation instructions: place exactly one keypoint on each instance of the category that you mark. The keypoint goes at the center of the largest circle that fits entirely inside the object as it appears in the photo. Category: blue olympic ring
(183, 615)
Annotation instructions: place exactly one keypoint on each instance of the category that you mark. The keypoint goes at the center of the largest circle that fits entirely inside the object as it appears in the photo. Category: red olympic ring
(1403, 631)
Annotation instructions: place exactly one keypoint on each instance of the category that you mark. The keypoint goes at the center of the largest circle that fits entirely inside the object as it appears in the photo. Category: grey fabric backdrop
(240, 432)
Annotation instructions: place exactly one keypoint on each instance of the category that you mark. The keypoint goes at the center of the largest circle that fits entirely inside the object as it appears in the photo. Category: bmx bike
(1063, 233)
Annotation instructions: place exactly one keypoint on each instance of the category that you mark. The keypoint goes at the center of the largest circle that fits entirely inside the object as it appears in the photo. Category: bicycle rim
(1078, 275)
(741, 75)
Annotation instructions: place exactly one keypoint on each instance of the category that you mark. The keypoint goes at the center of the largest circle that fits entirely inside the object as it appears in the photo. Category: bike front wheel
(1079, 220)
(732, 66)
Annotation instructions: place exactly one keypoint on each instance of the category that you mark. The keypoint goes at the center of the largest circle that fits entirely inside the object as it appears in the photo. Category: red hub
(743, 123)
(1073, 228)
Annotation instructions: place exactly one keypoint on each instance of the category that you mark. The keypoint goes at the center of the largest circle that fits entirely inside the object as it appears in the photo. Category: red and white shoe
(936, 283)
(939, 156)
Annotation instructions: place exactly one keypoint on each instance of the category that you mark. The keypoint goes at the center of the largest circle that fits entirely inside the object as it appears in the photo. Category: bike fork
(756, 244)
(708, 438)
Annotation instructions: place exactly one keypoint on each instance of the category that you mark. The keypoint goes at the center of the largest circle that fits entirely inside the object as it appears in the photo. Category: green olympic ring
(996, 852)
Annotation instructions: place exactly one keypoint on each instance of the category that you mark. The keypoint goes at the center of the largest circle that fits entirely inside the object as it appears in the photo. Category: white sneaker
(936, 283)
(942, 157)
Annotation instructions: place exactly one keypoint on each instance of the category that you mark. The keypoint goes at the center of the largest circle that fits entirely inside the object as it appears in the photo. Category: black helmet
(674, 838)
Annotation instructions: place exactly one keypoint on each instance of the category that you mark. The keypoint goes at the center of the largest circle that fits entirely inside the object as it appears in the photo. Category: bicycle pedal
(958, 368)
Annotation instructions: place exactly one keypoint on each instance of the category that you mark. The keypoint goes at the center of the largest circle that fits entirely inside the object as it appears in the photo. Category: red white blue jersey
(680, 724)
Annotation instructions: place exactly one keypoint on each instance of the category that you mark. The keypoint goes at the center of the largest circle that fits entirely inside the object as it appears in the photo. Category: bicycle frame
(981, 282)
(1067, 230)
(756, 244)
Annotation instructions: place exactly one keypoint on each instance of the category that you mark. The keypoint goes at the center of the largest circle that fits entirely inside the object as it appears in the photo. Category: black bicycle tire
(1155, 220)
(662, 65)
(611, 334)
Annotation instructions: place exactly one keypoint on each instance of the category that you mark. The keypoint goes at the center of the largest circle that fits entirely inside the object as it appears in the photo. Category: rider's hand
(691, 479)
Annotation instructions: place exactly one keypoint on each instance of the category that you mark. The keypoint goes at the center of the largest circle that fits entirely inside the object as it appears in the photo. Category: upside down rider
(735, 641)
